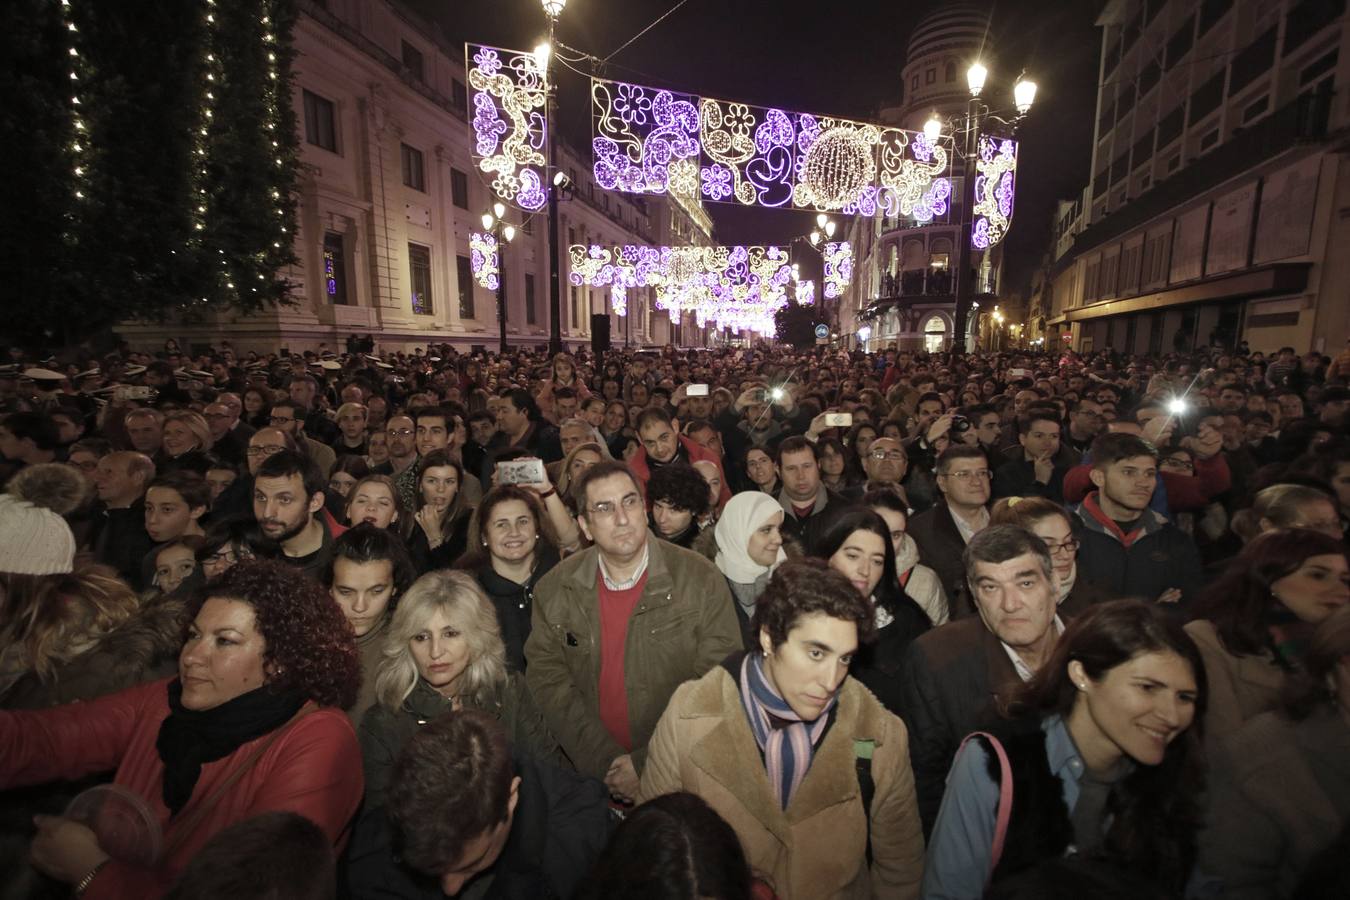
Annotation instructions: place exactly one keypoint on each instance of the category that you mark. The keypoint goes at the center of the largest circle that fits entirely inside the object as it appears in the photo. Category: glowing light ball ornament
(839, 164)
(483, 259)
(508, 127)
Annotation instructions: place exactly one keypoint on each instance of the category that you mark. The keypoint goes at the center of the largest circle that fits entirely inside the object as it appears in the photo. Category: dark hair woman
(1253, 624)
(1280, 795)
(443, 513)
(1101, 754)
(858, 546)
(257, 407)
(512, 546)
(254, 719)
(773, 741)
(839, 466)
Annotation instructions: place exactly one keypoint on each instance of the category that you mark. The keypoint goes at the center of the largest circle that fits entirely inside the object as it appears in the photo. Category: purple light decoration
(935, 201)
(483, 259)
(329, 272)
(838, 267)
(995, 186)
(647, 140)
(509, 93)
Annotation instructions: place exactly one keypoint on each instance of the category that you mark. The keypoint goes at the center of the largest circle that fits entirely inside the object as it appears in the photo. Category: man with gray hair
(954, 675)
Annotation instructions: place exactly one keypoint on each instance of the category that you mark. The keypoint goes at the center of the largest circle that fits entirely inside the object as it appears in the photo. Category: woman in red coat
(253, 723)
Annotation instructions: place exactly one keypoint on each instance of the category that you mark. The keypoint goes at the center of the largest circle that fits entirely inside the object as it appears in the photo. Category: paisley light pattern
(995, 182)
(838, 268)
(648, 140)
(483, 259)
(509, 129)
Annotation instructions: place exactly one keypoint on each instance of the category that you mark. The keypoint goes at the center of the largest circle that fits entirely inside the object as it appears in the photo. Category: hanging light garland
(838, 267)
(79, 139)
(483, 259)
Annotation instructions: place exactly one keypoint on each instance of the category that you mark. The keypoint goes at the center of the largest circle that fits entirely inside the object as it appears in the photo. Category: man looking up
(943, 531)
(617, 627)
(1128, 549)
(288, 503)
(953, 676)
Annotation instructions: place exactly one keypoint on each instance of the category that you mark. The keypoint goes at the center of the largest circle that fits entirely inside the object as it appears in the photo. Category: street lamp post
(505, 234)
(553, 8)
(977, 114)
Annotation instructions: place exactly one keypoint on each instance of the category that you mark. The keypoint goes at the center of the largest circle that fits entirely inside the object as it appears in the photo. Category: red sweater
(314, 769)
(616, 608)
(639, 466)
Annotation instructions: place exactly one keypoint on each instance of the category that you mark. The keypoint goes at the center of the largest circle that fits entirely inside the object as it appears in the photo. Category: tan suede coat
(816, 848)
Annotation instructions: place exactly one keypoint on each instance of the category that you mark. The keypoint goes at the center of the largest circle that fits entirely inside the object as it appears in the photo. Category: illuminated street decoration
(806, 293)
(738, 287)
(994, 185)
(647, 140)
(483, 259)
(838, 268)
(508, 95)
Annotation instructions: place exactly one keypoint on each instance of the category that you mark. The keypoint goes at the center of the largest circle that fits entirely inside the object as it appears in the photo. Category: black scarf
(189, 738)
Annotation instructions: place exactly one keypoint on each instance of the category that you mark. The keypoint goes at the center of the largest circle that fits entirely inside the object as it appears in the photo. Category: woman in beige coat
(801, 760)
(1253, 623)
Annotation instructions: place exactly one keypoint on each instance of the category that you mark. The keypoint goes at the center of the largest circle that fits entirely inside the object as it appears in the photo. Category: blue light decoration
(483, 259)
(654, 141)
(329, 273)
(995, 184)
(838, 267)
(508, 94)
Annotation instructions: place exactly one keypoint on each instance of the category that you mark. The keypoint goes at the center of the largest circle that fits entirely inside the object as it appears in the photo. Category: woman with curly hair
(443, 652)
(1103, 754)
(253, 722)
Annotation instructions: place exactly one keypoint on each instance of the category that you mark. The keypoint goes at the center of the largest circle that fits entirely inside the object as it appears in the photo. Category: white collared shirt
(637, 573)
(1024, 671)
(968, 531)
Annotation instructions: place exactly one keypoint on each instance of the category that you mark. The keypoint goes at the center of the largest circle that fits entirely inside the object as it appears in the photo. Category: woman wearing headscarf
(746, 545)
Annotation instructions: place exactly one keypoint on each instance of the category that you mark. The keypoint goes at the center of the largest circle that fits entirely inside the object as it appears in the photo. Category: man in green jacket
(618, 627)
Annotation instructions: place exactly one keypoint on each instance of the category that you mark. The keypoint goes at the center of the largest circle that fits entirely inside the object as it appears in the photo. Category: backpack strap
(1005, 797)
(867, 788)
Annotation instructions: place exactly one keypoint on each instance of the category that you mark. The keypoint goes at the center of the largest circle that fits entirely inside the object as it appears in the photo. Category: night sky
(840, 58)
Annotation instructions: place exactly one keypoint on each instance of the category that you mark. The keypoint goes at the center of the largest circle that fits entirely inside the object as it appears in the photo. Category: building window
(419, 268)
(527, 225)
(465, 287)
(459, 95)
(930, 77)
(1255, 109)
(412, 60)
(459, 188)
(951, 72)
(934, 334)
(319, 122)
(334, 269)
(914, 82)
(531, 315)
(412, 168)
(1209, 140)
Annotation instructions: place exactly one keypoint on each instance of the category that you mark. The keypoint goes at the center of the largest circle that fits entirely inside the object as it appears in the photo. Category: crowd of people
(707, 624)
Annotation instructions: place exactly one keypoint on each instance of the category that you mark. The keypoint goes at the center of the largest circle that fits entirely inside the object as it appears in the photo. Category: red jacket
(314, 769)
(695, 452)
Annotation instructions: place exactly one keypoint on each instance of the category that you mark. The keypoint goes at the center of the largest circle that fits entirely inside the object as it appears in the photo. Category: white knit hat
(33, 540)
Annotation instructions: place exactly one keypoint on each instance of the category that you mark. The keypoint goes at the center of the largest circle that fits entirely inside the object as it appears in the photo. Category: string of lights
(79, 140)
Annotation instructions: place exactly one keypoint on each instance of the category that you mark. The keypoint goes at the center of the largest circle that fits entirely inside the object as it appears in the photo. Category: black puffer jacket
(514, 603)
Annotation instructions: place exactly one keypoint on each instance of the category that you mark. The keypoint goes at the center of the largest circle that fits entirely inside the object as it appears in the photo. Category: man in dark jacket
(943, 531)
(810, 508)
(122, 542)
(521, 427)
(1127, 548)
(952, 676)
(1036, 471)
(465, 811)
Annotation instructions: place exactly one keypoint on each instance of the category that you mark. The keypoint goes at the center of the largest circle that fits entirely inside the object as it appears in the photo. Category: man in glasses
(963, 480)
(290, 416)
(617, 627)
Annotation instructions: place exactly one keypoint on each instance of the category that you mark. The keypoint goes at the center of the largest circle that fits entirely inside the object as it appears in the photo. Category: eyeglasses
(280, 420)
(266, 450)
(893, 455)
(1070, 547)
(606, 508)
(968, 474)
(400, 432)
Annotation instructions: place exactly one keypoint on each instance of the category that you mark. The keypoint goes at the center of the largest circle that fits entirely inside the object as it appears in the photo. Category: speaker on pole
(599, 332)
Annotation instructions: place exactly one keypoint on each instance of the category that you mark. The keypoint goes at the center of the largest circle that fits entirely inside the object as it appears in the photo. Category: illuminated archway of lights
(838, 267)
(648, 140)
(995, 182)
(736, 287)
(483, 259)
(508, 94)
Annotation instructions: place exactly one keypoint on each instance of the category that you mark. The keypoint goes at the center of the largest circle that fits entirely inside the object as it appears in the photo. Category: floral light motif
(838, 267)
(509, 129)
(483, 259)
(647, 140)
(994, 187)
(806, 292)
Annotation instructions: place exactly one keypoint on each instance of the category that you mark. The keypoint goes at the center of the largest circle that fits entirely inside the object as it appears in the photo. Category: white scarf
(744, 513)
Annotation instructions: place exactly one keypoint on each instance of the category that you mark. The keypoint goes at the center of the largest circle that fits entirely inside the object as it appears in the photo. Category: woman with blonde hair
(582, 457)
(1288, 506)
(187, 439)
(443, 652)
